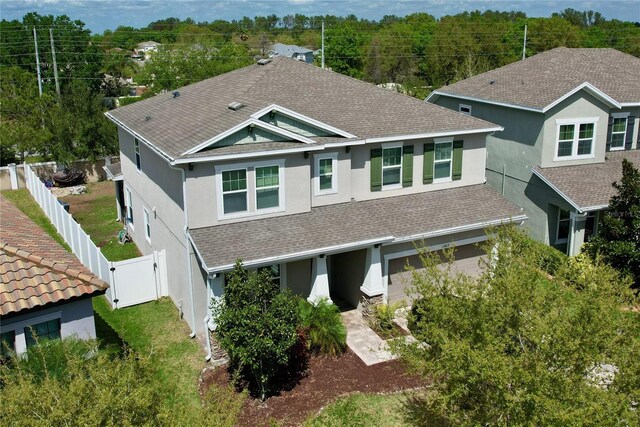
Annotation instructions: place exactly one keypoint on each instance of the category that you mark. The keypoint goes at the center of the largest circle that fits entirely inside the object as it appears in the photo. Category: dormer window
(575, 139)
(618, 132)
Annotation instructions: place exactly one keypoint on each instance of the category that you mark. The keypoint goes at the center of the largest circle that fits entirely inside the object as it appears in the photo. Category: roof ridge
(56, 266)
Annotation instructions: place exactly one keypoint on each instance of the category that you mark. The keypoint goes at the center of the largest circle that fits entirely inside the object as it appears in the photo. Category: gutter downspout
(188, 248)
(208, 338)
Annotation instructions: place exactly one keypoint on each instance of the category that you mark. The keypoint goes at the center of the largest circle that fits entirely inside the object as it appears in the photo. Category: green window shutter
(376, 169)
(407, 165)
(457, 160)
(427, 177)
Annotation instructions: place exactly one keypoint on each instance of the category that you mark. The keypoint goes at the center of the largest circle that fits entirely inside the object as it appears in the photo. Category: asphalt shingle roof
(540, 80)
(177, 124)
(590, 185)
(348, 223)
(34, 269)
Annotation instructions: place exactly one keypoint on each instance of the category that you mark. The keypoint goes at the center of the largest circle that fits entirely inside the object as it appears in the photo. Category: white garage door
(467, 259)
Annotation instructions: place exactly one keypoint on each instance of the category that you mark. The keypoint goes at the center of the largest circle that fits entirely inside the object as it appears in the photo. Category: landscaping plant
(325, 333)
(382, 317)
(256, 326)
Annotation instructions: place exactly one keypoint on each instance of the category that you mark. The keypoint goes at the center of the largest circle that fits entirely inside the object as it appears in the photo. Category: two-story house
(328, 181)
(570, 116)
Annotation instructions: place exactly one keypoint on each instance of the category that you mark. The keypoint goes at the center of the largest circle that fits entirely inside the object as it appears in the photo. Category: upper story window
(618, 132)
(442, 161)
(136, 148)
(250, 189)
(129, 203)
(391, 166)
(465, 109)
(147, 225)
(326, 174)
(575, 139)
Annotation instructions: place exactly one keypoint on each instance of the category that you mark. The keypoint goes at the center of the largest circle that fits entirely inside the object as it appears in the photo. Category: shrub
(323, 327)
(382, 317)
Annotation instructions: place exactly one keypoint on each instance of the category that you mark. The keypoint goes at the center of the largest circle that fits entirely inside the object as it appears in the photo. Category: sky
(99, 15)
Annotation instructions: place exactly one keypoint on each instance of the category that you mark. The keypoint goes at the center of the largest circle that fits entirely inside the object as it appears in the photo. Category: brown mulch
(326, 379)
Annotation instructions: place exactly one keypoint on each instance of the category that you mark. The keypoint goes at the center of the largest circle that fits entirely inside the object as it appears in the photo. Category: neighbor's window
(325, 174)
(564, 221)
(147, 225)
(129, 203)
(391, 166)
(618, 133)
(136, 146)
(575, 140)
(234, 190)
(442, 161)
(7, 344)
(42, 331)
(267, 187)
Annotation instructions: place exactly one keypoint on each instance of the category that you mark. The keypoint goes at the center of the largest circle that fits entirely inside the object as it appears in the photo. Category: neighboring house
(570, 116)
(291, 51)
(45, 291)
(144, 50)
(328, 181)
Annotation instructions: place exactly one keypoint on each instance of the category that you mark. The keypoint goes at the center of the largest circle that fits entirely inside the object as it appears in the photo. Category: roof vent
(492, 82)
(264, 61)
(146, 119)
(176, 94)
(235, 106)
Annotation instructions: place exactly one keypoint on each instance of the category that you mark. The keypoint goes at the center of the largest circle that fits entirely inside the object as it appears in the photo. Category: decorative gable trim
(589, 88)
(255, 122)
(301, 117)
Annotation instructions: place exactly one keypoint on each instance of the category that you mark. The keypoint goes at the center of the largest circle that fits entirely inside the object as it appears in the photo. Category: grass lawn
(96, 212)
(363, 410)
(27, 204)
(155, 330)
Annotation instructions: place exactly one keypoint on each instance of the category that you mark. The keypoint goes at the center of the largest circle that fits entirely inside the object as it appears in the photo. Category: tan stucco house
(328, 181)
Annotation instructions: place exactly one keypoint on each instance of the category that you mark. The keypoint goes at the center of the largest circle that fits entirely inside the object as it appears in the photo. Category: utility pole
(55, 65)
(323, 43)
(35, 41)
(524, 44)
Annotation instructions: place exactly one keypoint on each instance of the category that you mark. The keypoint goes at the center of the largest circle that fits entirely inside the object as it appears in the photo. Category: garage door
(467, 258)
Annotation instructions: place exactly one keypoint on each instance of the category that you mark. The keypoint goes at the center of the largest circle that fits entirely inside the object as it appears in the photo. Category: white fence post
(13, 176)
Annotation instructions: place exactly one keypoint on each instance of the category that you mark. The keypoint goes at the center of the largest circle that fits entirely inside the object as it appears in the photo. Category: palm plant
(323, 327)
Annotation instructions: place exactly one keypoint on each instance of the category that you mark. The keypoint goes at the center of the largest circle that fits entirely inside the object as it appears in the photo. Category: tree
(517, 346)
(618, 239)
(256, 325)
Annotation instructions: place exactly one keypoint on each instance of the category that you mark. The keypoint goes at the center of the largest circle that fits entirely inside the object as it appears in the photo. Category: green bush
(323, 327)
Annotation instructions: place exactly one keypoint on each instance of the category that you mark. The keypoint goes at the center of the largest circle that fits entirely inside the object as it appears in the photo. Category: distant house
(45, 292)
(143, 50)
(291, 51)
(570, 116)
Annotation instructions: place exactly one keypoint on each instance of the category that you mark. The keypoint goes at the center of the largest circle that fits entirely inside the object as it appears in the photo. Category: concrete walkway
(363, 341)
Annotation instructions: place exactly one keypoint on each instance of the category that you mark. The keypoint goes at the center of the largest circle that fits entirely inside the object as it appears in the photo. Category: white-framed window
(464, 109)
(618, 131)
(326, 173)
(250, 189)
(564, 224)
(147, 224)
(136, 149)
(442, 156)
(129, 204)
(392, 166)
(234, 191)
(575, 138)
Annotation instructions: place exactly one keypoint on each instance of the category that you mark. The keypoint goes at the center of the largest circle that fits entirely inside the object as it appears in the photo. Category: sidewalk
(363, 341)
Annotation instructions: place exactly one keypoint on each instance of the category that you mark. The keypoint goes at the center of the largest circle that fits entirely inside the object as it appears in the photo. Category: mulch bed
(326, 379)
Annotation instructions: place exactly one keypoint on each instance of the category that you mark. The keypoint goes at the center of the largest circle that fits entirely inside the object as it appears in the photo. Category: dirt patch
(325, 380)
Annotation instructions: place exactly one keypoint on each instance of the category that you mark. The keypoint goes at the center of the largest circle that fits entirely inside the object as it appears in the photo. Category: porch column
(373, 284)
(576, 233)
(320, 280)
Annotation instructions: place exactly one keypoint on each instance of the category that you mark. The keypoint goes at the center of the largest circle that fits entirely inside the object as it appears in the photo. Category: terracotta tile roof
(177, 124)
(589, 185)
(542, 79)
(347, 223)
(35, 270)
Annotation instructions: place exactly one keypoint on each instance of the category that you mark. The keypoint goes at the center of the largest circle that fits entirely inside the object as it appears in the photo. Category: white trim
(389, 146)
(615, 116)
(128, 203)
(450, 160)
(431, 135)
(410, 252)
(460, 229)
(250, 168)
(32, 321)
(295, 256)
(620, 115)
(330, 145)
(240, 156)
(147, 224)
(255, 122)
(576, 138)
(136, 154)
(301, 117)
(280, 187)
(464, 106)
(334, 173)
(433, 96)
(137, 135)
(595, 208)
(195, 249)
(629, 104)
(556, 189)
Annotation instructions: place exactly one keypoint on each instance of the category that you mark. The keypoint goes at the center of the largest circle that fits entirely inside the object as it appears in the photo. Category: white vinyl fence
(131, 282)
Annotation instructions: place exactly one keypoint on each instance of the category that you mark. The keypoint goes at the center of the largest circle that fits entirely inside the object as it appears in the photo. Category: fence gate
(137, 280)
